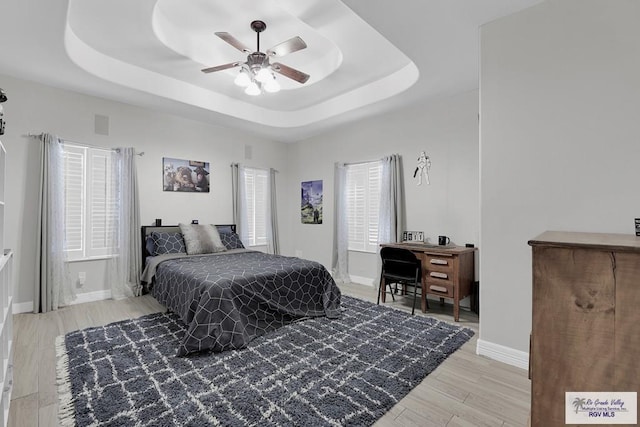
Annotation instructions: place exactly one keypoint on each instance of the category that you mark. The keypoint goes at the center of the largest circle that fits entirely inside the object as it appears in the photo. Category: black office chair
(400, 266)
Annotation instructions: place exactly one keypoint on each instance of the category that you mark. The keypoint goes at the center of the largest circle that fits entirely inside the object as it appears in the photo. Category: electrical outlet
(82, 278)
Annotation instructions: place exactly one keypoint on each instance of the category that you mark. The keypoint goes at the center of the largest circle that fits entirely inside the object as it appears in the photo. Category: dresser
(586, 314)
(447, 272)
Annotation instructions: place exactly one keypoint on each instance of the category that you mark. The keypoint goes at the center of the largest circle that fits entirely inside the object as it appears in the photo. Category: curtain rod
(39, 135)
(252, 167)
(365, 161)
(360, 163)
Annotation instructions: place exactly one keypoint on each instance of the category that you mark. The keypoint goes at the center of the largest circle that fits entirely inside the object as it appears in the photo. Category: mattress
(228, 299)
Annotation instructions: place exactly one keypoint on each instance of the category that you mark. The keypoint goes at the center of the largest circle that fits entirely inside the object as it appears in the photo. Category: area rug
(315, 372)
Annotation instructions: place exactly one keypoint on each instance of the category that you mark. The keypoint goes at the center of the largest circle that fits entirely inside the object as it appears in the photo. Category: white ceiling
(364, 57)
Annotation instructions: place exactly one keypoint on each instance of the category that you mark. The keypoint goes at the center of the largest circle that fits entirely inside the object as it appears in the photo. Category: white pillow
(201, 239)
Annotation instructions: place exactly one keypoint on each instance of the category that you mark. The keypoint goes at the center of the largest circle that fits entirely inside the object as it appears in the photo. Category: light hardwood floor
(465, 390)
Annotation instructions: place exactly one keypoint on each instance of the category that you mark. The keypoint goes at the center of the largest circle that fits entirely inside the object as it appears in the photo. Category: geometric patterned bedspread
(227, 300)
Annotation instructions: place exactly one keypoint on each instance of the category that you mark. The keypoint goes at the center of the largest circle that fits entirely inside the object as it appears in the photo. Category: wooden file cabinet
(586, 312)
(447, 272)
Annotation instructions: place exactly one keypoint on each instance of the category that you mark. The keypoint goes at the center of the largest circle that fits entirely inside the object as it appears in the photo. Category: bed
(229, 297)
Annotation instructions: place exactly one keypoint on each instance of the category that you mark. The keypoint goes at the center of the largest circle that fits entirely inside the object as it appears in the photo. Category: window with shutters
(90, 208)
(256, 182)
(363, 204)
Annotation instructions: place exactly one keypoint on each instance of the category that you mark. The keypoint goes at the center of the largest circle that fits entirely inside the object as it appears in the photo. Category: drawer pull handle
(439, 261)
(438, 288)
(439, 275)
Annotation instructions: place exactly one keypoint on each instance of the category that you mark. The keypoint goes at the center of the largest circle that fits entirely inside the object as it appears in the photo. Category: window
(256, 193)
(90, 208)
(363, 204)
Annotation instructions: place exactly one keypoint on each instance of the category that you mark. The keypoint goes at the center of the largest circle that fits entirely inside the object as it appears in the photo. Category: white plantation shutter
(373, 205)
(74, 195)
(249, 182)
(363, 200)
(90, 206)
(102, 217)
(356, 206)
(256, 181)
(262, 177)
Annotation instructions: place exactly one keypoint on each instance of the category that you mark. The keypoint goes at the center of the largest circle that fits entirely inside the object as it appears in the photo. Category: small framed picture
(413, 236)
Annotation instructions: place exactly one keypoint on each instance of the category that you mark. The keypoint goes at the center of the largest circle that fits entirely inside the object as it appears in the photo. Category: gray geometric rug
(316, 372)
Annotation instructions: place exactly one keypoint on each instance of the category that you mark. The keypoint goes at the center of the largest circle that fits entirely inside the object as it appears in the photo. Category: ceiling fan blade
(221, 67)
(292, 73)
(292, 45)
(233, 42)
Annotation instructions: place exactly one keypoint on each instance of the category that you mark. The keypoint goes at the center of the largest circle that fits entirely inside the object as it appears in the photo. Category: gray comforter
(226, 300)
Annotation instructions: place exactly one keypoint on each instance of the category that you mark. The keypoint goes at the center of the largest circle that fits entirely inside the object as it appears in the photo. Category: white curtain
(239, 202)
(125, 265)
(340, 270)
(391, 215)
(53, 286)
(273, 246)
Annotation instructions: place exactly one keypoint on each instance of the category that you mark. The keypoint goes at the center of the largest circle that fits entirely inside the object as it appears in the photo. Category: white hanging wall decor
(424, 164)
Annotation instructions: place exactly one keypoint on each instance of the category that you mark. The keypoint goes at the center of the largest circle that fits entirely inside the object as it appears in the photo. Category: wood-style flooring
(465, 390)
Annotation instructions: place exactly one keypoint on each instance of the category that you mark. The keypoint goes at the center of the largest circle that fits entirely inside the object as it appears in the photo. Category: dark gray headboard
(148, 229)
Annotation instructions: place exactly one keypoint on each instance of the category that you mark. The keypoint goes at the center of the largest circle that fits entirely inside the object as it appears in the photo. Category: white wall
(560, 142)
(446, 129)
(34, 108)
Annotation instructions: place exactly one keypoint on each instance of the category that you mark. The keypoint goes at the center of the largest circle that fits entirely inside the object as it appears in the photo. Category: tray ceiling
(365, 58)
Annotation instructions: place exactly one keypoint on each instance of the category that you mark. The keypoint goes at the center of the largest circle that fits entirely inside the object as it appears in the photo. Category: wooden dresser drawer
(440, 263)
(439, 276)
(444, 290)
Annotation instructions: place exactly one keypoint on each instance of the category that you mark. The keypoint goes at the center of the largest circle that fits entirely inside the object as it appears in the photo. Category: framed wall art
(185, 175)
(311, 202)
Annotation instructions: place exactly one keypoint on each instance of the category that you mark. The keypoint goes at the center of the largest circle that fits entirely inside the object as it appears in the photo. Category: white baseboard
(362, 280)
(508, 355)
(27, 307)
(22, 307)
(91, 297)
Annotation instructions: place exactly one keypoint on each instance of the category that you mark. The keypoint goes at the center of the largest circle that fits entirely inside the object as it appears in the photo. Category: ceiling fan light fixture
(272, 86)
(257, 73)
(264, 75)
(242, 79)
(253, 89)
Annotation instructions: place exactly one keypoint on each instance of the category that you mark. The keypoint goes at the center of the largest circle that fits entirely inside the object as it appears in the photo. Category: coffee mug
(443, 240)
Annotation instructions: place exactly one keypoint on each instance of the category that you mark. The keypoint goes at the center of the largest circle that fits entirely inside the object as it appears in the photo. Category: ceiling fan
(256, 74)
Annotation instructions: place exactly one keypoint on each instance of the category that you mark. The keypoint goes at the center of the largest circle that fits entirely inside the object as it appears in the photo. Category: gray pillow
(201, 239)
(222, 229)
(231, 240)
(167, 243)
(150, 246)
